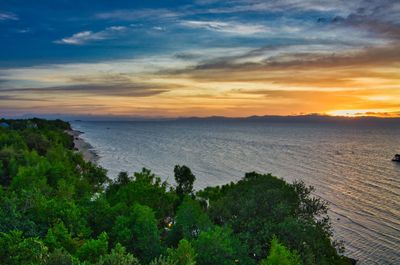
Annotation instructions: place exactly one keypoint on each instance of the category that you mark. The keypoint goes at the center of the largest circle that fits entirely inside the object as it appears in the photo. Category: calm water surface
(349, 165)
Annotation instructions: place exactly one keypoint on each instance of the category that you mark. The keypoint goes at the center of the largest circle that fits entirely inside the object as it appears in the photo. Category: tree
(12, 217)
(58, 237)
(36, 141)
(93, 249)
(123, 178)
(190, 221)
(16, 250)
(184, 254)
(96, 176)
(184, 179)
(162, 260)
(220, 246)
(144, 188)
(138, 232)
(60, 257)
(261, 206)
(118, 256)
(280, 255)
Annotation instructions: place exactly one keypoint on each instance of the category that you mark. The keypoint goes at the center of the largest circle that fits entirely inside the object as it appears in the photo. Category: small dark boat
(396, 158)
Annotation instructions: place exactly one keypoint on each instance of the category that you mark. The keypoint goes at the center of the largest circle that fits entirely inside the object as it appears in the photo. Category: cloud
(138, 14)
(384, 28)
(286, 6)
(110, 89)
(84, 37)
(8, 16)
(372, 56)
(17, 98)
(394, 114)
(374, 67)
(226, 27)
(158, 28)
(381, 18)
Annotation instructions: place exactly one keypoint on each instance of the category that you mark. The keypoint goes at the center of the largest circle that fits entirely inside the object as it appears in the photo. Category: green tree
(93, 249)
(220, 246)
(184, 254)
(184, 179)
(12, 217)
(190, 221)
(139, 233)
(162, 260)
(260, 206)
(123, 178)
(60, 257)
(280, 255)
(58, 237)
(36, 141)
(16, 250)
(95, 175)
(146, 189)
(118, 256)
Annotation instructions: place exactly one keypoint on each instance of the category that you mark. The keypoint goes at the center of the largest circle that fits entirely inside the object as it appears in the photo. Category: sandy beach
(83, 147)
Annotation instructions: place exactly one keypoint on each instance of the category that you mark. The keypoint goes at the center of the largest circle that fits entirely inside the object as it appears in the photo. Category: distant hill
(313, 118)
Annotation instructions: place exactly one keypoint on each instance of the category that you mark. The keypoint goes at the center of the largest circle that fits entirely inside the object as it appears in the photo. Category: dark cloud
(346, 70)
(381, 114)
(378, 17)
(129, 90)
(113, 78)
(16, 98)
(373, 56)
(386, 29)
(187, 56)
(138, 14)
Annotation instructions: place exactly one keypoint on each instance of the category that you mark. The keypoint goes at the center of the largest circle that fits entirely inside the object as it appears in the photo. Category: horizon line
(89, 117)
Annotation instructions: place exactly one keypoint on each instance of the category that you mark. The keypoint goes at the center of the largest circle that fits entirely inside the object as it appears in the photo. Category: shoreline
(83, 147)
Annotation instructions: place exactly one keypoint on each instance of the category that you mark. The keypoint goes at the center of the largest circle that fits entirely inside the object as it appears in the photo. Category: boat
(396, 158)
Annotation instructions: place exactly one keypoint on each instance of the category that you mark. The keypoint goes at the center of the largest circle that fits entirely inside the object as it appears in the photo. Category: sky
(174, 58)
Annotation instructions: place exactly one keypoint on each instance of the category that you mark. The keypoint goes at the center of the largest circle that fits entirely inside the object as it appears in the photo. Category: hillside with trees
(57, 208)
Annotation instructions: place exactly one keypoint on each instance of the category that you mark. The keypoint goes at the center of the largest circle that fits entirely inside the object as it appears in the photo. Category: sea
(348, 163)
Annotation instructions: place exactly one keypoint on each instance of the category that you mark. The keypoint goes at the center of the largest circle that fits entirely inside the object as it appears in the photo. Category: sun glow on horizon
(363, 113)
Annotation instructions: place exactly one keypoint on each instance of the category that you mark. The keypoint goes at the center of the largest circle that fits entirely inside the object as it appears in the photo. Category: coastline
(86, 149)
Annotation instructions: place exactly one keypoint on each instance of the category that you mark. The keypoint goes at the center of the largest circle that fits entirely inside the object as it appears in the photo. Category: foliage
(280, 255)
(138, 232)
(60, 257)
(184, 254)
(162, 260)
(92, 249)
(190, 221)
(118, 256)
(184, 179)
(16, 250)
(261, 206)
(220, 246)
(144, 188)
(58, 237)
(57, 208)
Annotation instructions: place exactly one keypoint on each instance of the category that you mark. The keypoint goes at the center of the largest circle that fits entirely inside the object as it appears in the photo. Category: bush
(280, 255)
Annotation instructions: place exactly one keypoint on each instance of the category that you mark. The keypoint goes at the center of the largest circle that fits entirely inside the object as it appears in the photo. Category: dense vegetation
(56, 208)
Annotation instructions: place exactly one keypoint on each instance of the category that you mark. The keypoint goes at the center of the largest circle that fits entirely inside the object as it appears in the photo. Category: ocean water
(349, 165)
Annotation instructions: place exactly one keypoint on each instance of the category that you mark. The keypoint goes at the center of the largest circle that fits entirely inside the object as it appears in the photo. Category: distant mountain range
(312, 118)
(309, 118)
